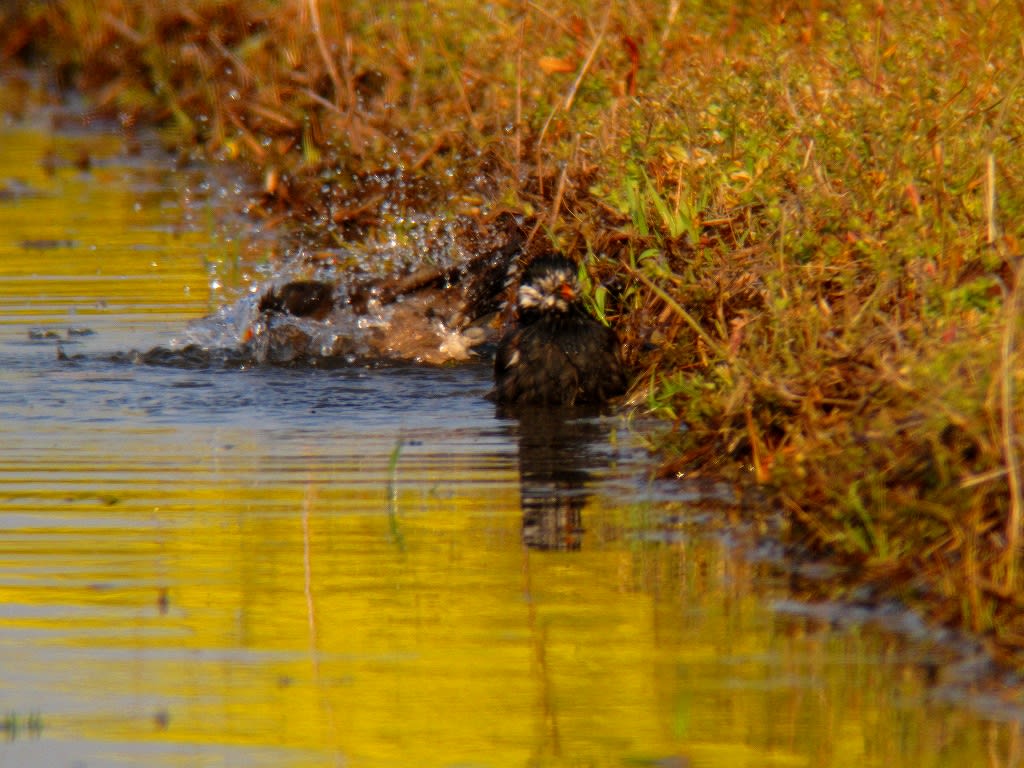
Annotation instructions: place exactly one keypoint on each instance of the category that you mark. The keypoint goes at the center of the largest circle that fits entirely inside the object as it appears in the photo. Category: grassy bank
(805, 221)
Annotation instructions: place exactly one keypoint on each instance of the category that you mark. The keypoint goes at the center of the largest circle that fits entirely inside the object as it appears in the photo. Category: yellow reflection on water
(291, 616)
(82, 246)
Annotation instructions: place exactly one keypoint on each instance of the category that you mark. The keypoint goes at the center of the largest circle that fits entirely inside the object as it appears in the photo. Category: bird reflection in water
(556, 459)
(554, 368)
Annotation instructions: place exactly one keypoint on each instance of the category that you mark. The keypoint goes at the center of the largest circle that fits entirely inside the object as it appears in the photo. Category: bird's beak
(566, 292)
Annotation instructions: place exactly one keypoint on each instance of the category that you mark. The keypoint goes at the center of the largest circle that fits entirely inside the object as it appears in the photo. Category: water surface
(266, 566)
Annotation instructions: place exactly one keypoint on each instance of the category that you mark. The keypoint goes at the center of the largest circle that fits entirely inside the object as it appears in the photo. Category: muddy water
(264, 566)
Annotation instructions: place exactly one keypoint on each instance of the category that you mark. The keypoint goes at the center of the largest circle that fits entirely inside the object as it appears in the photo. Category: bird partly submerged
(553, 354)
(556, 354)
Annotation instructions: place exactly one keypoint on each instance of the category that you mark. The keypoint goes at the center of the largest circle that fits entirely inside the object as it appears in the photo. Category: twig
(560, 190)
(812, 521)
(396, 530)
(324, 102)
(778, 388)
(518, 142)
(552, 17)
(430, 151)
(990, 198)
(761, 470)
(124, 30)
(570, 95)
(307, 569)
(969, 481)
(282, 120)
(455, 74)
(687, 318)
(1010, 457)
(673, 9)
(325, 54)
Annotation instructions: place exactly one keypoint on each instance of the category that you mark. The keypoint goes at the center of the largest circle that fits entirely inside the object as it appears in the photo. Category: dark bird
(556, 354)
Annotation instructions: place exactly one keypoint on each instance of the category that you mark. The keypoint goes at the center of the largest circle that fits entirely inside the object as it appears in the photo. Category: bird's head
(548, 285)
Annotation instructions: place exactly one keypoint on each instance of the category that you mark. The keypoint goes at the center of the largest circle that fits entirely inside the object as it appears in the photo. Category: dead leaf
(549, 65)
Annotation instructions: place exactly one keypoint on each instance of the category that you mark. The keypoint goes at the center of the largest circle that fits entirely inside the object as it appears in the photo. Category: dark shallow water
(263, 566)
